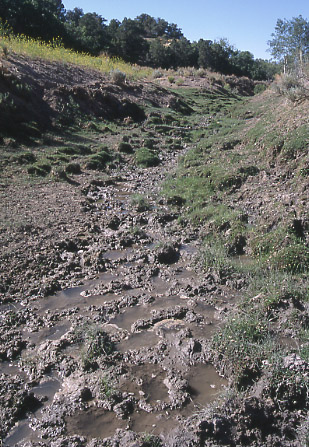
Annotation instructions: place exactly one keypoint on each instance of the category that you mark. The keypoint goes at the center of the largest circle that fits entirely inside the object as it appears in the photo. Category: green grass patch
(146, 157)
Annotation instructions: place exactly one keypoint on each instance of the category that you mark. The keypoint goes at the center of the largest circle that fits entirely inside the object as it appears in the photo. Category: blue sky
(246, 24)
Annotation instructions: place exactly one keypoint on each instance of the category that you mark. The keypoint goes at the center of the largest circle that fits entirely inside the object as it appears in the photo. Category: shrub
(157, 74)
(171, 79)
(118, 77)
(73, 168)
(24, 158)
(125, 148)
(99, 161)
(40, 169)
(4, 51)
(146, 157)
(259, 88)
(291, 86)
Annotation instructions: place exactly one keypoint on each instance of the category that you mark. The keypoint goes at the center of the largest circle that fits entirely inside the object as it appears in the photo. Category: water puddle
(188, 249)
(22, 430)
(51, 333)
(125, 319)
(146, 380)
(139, 340)
(12, 369)
(47, 389)
(289, 343)
(94, 423)
(19, 433)
(154, 423)
(77, 297)
(166, 302)
(159, 285)
(116, 255)
(205, 384)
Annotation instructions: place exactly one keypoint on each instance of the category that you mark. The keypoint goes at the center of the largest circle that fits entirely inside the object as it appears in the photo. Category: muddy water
(20, 432)
(146, 379)
(94, 423)
(205, 385)
(139, 340)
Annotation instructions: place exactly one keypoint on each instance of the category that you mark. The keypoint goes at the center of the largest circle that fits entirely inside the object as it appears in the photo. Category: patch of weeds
(24, 158)
(259, 88)
(126, 148)
(96, 344)
(296, 142)
(215, 257)
(149, 143)
(69, 150)
(281, 250)
(276, 289)
(107, 386)
(21, 89)
(68, 111)
(4, 51)
(287, 382)
(241, 345)
(150, 440)
(73, 168)
(40, 170)
(99, 160)
(139, 202)
(304, 171)
(146, 158)
(7, 103)
(293, 258)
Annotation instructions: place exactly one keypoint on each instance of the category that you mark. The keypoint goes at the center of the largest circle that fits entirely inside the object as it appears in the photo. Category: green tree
(126, 41)
(36, 18)
(242, 63)
(182, 53)
(290, 41)
(158, 54)
(87, 32)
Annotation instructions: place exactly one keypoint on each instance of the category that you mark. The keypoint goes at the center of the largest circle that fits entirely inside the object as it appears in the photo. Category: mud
(107, 315)
(155, 310)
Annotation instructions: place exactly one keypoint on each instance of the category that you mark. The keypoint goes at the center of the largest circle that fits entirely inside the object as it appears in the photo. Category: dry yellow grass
(55, 51)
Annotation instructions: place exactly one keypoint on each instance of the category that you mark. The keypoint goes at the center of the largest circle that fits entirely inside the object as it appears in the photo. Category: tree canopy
(290, 41)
